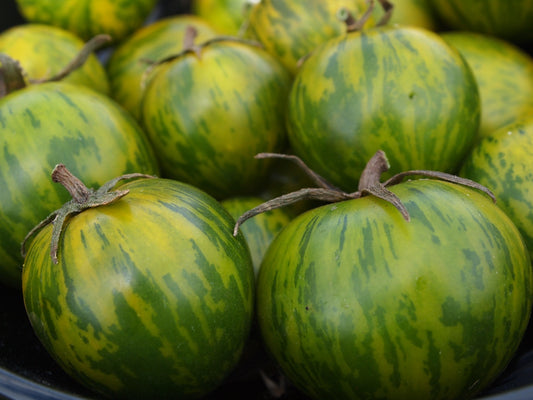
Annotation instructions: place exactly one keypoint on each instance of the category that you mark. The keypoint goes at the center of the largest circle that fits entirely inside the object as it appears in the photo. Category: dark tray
(28, 372)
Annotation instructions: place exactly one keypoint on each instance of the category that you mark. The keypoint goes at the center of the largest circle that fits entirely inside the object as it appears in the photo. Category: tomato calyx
(369, 184)
(83, 198)
(13, 76)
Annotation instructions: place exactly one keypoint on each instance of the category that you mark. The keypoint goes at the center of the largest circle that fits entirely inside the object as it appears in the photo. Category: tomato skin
(226, 16)
(354, 302)
(151, 293)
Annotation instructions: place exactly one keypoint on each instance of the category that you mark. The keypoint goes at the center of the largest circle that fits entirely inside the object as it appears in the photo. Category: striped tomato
(400, 89)
(501, 161)
(209, 110)
(50, 123)
(151, 295)
(43, 51)
(507, 19)
(504, 74)
(355, 302)
(412, 12)
(129, 61)
(88, 18)
(291, 30)
(226, 16)
(260, 231)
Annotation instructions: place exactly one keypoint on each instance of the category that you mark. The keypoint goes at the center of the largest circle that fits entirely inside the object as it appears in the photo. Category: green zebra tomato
(87, 18)
(402, 90)
(291, 30)
(504, 74)
(152, 294)
(44, 50)
(501, 161)
(209, 110)
(355, 302)
(226, 16)
(260, 231)
(506, 19)
(130, 60)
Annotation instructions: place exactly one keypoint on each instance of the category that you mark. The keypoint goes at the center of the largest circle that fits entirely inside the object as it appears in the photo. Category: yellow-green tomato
(260, 230)
(502, 161)
(129, 62)
(88, 18)
(44, 50)
(411, 12)
(292, 30)
(209, 111)
(227, 16)
(504, 75)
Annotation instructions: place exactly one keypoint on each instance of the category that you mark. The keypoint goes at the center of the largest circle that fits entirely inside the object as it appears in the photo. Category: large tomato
(355, 302)
(151, 296)
(400, 89)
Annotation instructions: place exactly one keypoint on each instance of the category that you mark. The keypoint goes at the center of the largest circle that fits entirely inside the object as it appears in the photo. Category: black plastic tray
(28, 372)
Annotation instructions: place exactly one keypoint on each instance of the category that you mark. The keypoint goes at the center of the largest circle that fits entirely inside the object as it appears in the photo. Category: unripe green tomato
(292, 30)
(260, 230)
(127, 67)
(88, 18)
(226, 16)
(210, 110)
(504, 75)
(502, 161)
(44, 50)
(506, 19)
(399, 89)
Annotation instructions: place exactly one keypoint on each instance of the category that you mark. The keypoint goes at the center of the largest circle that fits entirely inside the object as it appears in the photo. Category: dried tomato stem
(92, 45)
(369, 184)
(11, 75)
(352, 24)
(388, 8)
(317, 179)
(79, 192)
